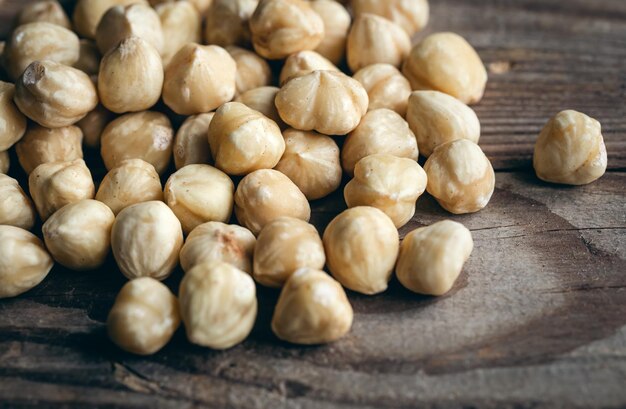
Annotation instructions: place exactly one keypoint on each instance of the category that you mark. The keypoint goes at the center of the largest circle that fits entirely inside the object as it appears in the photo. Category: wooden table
(537, 319)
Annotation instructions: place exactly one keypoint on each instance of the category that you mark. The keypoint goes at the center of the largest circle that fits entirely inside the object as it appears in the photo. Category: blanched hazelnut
(25, 261)
(262, 99)
(55, 95)
(361, 246)
(460, 176)
(312, 309)
(12, 122)
(132, 181)
(144, 317)
(431, 258)
(88, 13)
(181, 24)
(191, 145)
(43, 145)
(570, 150)
(266, 195)
(134, 20)
(215, 241)
(16, 208)
(380, 131)
(436, 118)
(88, 57)
(146, 239)
(252, 70)
(243, 140)
(49, 11)
(325, 101)
(386, 87)
(446, 62)
(199, 79)
(311, 161)
(78, 235)
(93, 124)
(283, 27)
(303, 63)
(201, 5)
(5, 162)
(337, 22)
(227, 22)
(411, 15)
(142, 135)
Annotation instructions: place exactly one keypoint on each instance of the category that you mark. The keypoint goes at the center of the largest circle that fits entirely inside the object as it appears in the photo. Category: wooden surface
(537, 319)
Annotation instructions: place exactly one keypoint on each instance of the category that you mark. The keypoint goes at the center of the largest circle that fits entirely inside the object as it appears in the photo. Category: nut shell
(12, 121)
(16, 209)
(44, 145)
(386, 87)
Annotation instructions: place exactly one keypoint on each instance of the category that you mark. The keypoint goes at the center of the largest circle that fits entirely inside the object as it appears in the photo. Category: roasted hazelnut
(252, 70)
(303, 63)
(386, 87)
(88, 13)
(5, 162)
(88, 57)
(134, 20)
(16, 209)
(191, 145)
(48, 11)
(181, 24)
(12, 122)
(262, 99)
(411, 15)
(227, 22)
(337, 22)
(93, 124)
(43, 145)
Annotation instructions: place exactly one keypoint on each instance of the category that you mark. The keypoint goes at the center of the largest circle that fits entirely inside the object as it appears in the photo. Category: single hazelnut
(5, 162)
(431, 258)
(48, 11)
(88, 13)
(88, 57)
(191, 145)
(337, 22)
(460, 177)
(16, 209)
(93, 124)
(411, 15)
(181, 24)
(12, 121)
(362, 246)
(227, 22)
(134, 20)
(43, 145)
(303, 63)
(386, 87)
(252, 70)
(262, 99)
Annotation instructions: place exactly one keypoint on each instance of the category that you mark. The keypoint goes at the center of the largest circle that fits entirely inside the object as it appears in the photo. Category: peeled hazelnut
(5, 162)
(446, 62)
(437, 118)
(374, 40)
(361, 246)
(134, 20)
(79, 234)
(130, 77)
(385, 86)
(243, 140)
(337, 22)
(380, 131)
(181, 24)
(55, 95)
(88, 58)
(88, 13)
(570, 150)
(12, 122)
(411, 15)
(144, 317)
(146, 239)
(262, 99)
(201, 5)
(283, 27)
(460, 177)
(329, 102)
(49, 11)
(132, 181)
(303, 63)
(431, 258)
(266, 195)
(215, 241)
(142, 135)
(191, 145)
(312, 309)
(218, 305)
(227, 22)
(93, 124)
(25, 261)
(16, 208)
(199, 79)
(252, 70)
(311, 161)
(43, 145)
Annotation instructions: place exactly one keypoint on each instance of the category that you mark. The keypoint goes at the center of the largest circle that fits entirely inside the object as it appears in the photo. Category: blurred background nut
(146, 239)
(191, 145)
(43, 145)
(199, 79)
(120, 22)
(181, 24)
(377, 183)
(262, 99)
(436, 118)
(252, 70)
(49, 11)
(12, 122)
(5, 162)
(25, 261)
(265, 195)
(431, 258)
(570, 150)
(79, 234)
(218, 305)
(325, 101)
(337, 22)
(227, 22)
(144, 317)
(215, 241)
(460, 177)
(201, 5)
(386, 87)
(446, 62)
(311, 161)
(88, 58)
(16, 209)
(361, 246)
(303, 63)
(132, 181)
(411, 15)
(88, 13)
(312, 309)
(93, 124)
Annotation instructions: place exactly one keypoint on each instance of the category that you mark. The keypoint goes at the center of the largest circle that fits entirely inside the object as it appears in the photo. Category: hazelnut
(55, 95)
(303, 63)
(201, 5)
(380, 131)
(5, 162)
(460, 177)
(227, 22)
(325, 101)
(262, 99)
(215, 241)
(132, 181)
(142, 135)
(311, 161)
(48, 11)
(218, 305)
(134, 20)
(265, 195)
(431, 258)
(12, 122)
(16, 209)
(284, 246)
(88, 13)
(361, 246)
(570, 150)
(199, 79)
(79, 234)
(446, 62)
(191, 145)
(337, 22)
(411, 15)
(93, 124)
(436, 118)
(386, 87)
(43, 145)
(243, 140)
(144, 317)
(88, 58)
(181, 24)
(146, 239)
(312, 309)
(25, 261)
(252, 70)
(283, 27)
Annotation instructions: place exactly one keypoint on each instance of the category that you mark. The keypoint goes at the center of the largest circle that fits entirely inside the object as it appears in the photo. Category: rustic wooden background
(538, 318)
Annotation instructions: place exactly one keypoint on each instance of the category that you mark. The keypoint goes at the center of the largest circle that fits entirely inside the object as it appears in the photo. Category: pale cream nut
(262, 99)
(181, 24)
(12, 121)
(93, 124)
(252, 70)
(201, 5)
(411, 15)
(134, 20)
(49, 11)
(337, 22)
(16, 209)
(43, 145)
(386, 87)
(88, 13)
(191, 145)
(88, 57)
(5, 162)
(227, 22)
(302, 63)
